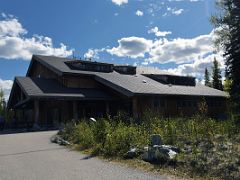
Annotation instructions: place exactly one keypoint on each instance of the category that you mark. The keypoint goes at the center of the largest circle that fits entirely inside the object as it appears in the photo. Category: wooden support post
(107, 108)
(36, 114)
(75, 110)
(135, 107)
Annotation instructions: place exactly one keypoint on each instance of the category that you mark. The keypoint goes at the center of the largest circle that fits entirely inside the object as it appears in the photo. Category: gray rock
(58, 140)
(159, 153)
(133, 153)
(155, 139)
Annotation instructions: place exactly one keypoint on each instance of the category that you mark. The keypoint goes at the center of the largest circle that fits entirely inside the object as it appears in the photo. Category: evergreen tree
(227, 85)
(227, 23)
(206, 78)
(216, 76)
(2, 101)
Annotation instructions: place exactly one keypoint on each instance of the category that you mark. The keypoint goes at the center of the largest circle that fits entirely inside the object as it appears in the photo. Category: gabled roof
(129, 85)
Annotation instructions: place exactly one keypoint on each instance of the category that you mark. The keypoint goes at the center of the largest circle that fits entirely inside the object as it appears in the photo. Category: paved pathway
(31, 156)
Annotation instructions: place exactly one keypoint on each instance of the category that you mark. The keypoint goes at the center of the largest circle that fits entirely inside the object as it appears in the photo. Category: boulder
(133, 153)
(155, 139)
(160, 153)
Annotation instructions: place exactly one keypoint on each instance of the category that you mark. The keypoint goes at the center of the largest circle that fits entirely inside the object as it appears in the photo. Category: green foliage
(100, 129)
(68, 132)
(227, 85)
(206, 78)
(115, 139)
(84, 135)
(2, 101)
(204, 142)
(120, 139)
(227, 23)
(203, 108)
(216, 76)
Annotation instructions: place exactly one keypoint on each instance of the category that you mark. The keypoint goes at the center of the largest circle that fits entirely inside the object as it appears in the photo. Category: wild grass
(209, 147)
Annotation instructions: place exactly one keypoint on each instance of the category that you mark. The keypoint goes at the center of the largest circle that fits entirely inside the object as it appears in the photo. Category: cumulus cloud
(197, 68)
(163, 50)
(174, 11)
(120, 2)
(11, 27)
(191, 55)
(139, 13)
(14, 44)
(159, 33)
(93, 53)
(6, 86)
(181, 50)
(184, 0)
(133, 47)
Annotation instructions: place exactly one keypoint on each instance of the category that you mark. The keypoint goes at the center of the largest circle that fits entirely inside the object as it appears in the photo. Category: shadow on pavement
(16, 131)
(27, 152)
(88, 157)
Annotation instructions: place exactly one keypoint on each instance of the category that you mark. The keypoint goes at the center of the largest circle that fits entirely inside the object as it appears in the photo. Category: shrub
(84, 135)
(204, 142)
(68, 132)
(120, 139)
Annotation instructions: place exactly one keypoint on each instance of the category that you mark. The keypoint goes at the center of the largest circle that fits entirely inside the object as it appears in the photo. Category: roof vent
(144, 81)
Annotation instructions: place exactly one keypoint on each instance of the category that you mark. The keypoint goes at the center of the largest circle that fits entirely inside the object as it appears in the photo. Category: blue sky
(174, 35)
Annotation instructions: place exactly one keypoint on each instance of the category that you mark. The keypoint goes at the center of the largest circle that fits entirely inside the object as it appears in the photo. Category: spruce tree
(1, 102)
(216, 76)
(206, 78)
(227, 23)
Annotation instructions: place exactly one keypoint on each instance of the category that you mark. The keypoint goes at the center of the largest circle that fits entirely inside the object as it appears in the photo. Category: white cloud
(191, 55)
(6, 86)
(159, 33)
(174, 11)
(184, 0)
(11, 28)
(181, 50)
(177, 11)
(120, 2)
(163, 50)
(14, 44)
(139, 13)
(133, 47)
(197, 68)
(93, 53)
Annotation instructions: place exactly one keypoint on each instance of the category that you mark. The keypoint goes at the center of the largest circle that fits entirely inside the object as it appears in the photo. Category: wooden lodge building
(59, 89)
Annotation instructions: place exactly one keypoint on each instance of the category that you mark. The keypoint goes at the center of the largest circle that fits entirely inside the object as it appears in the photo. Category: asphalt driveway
(31, 156)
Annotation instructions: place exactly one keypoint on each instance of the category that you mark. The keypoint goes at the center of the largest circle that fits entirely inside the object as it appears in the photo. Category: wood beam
(36, 113)
(107, 108)
(75, 110)
(135, 107)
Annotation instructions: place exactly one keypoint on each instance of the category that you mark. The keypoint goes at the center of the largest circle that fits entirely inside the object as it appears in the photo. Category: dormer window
(90, 66)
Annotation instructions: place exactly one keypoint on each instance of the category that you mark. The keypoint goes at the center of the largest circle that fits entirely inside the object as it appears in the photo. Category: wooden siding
(177, 106)
(79, 82)
(39, 70)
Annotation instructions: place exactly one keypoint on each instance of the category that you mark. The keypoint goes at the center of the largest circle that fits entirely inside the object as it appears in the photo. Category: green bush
(120, 139)
(204, 142)
(84, 135)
